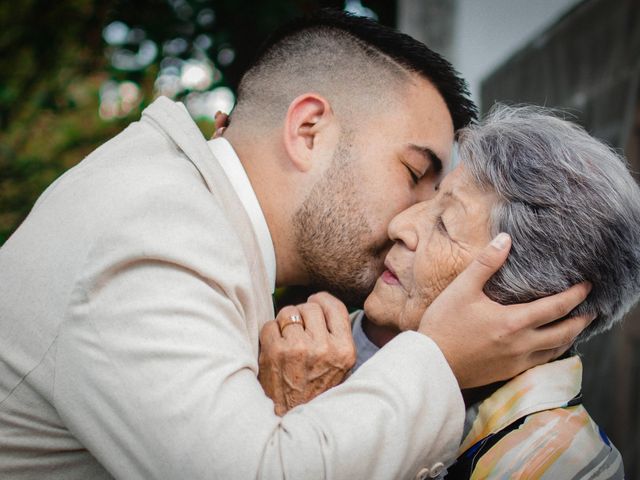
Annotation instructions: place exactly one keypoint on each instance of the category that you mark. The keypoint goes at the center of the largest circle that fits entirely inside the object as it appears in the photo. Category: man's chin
(353, 299)
(353, 288)
(353, 295)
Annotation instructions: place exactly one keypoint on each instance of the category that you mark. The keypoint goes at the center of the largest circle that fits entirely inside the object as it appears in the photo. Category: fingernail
(217, 113)
(501, 241)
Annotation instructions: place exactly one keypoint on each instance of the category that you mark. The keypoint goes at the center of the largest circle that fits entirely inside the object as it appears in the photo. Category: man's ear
(308, 116)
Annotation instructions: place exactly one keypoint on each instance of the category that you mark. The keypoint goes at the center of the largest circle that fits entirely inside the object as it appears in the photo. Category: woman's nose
(402, 227)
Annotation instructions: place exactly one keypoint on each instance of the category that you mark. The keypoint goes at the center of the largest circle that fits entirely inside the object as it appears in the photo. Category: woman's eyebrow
(449, 194)
(430, 156)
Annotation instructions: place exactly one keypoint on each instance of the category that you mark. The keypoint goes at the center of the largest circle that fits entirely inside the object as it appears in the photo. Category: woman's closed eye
(442, 228)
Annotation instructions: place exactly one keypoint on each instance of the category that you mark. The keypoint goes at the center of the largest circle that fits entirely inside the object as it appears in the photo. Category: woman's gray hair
(570, 205)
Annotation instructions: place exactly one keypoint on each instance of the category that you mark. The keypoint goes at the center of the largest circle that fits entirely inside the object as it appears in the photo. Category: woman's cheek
(421, 296)
(456, 263)
(433, 279)
(413, 312)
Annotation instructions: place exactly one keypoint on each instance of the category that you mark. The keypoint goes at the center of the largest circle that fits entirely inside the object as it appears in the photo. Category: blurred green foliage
(55, 63)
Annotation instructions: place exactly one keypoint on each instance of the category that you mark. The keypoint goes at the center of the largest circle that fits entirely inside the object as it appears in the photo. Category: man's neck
(270, 186)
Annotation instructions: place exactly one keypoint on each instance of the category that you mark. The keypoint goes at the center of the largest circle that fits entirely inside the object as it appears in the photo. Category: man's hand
(484, 341)
(304, 360)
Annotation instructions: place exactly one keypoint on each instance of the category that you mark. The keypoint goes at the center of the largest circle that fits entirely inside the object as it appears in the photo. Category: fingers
(288, 329)
(326, 327)
(296, 364)
(314, 320)
(221, 121)
(544, 356)
(270, 333)
(554, 307)
(340, 339)
(486, 263)
(561, 333)
(335, 313)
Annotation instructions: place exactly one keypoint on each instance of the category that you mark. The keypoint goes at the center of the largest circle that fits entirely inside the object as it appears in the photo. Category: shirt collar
(544, 387)
(230, 163)
(365, 349)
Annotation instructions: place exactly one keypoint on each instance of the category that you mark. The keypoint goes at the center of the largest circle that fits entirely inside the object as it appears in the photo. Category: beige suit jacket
(130, 304)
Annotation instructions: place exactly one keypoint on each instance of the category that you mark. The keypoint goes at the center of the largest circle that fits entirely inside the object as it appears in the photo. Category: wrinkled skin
(299, 363)
(434, 242)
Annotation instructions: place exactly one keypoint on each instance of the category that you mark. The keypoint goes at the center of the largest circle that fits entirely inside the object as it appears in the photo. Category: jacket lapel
(174, 120)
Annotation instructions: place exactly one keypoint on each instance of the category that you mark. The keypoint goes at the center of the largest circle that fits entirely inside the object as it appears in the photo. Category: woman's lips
(389, 277)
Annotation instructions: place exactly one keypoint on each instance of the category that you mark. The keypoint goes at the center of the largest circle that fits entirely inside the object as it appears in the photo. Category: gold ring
(291, 320)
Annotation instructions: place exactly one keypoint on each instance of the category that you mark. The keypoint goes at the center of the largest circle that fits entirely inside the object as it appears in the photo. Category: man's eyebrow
(430, 155)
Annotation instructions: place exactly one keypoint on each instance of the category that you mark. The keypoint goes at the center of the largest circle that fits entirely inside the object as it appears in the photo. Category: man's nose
(402, 227)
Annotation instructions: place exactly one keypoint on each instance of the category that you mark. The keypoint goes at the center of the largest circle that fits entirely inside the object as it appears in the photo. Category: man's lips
(389, 275)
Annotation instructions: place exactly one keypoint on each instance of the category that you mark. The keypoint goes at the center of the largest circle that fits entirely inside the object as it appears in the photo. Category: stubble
(334, 238)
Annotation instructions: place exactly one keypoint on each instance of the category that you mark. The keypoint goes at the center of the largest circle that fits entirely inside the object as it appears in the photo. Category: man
(134, 293)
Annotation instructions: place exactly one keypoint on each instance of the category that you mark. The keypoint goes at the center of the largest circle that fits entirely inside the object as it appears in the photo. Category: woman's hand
(302, 358)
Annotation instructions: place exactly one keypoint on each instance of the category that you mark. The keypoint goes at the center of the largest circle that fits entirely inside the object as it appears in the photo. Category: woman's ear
(307, 118)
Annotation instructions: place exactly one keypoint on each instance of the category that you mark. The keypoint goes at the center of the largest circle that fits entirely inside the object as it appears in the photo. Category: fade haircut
(570, 205)
(354, 62)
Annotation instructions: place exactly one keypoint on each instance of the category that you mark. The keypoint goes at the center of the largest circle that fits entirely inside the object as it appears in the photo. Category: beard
(334, 239)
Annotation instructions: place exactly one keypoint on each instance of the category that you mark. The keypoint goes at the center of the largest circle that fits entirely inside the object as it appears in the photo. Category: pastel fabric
(533, 427)
(543, 431)
(131, 301)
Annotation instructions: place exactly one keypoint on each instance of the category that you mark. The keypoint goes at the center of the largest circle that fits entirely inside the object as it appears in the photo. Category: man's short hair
(353, 61)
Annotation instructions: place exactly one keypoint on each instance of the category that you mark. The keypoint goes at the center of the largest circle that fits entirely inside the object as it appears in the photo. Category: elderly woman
(573, 212)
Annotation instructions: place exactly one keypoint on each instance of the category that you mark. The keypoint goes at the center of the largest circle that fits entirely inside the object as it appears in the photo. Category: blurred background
(73, 73)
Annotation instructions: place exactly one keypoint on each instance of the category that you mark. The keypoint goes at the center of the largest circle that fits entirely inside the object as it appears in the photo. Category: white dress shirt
(238, 178)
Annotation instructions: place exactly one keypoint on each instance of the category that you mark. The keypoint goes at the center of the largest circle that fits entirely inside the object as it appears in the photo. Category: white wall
(487, 32)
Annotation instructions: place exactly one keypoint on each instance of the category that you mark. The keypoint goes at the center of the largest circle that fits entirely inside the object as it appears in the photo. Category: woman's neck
(378, 335)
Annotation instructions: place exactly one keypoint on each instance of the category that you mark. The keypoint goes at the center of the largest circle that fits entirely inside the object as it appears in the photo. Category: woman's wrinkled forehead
(459, 189)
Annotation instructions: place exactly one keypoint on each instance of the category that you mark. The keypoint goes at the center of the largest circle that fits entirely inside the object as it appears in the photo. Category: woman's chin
(374, 301)
(380, 309)
(370, 300)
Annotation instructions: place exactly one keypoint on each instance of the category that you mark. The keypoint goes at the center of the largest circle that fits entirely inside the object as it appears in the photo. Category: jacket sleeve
(156, 370)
